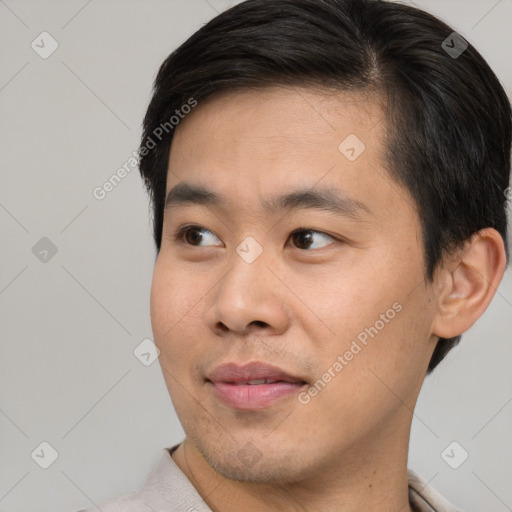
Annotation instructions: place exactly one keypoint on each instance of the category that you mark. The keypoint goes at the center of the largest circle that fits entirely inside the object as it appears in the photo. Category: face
(325, 284)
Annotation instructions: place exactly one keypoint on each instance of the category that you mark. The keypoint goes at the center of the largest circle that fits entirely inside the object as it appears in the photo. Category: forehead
(256, 143)
(304, 119)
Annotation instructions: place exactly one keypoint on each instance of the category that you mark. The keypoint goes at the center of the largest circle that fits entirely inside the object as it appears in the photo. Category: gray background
(69, 326)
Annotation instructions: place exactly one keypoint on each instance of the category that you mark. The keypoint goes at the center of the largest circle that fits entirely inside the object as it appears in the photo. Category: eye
(305, 237)
(193, 235)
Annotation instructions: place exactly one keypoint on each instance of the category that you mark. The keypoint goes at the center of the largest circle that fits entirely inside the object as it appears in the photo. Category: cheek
(372, 373)
(392, 350)
(376, 317)
(176, 302)
(339, 303)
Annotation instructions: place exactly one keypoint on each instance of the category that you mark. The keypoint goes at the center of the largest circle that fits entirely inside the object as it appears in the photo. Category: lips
(252, 374)
(252, 386)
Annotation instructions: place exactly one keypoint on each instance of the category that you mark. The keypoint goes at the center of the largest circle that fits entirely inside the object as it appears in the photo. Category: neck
(351, 483)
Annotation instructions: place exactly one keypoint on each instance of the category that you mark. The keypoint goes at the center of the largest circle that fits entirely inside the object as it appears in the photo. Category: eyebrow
(320, 198)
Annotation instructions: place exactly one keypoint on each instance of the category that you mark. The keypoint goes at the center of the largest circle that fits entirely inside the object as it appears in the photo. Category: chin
(249, 464)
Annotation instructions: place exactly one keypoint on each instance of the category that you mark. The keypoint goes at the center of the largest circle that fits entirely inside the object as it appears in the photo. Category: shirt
(167, 489)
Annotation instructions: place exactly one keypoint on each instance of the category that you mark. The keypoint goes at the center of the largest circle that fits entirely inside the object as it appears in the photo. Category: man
(328, 180)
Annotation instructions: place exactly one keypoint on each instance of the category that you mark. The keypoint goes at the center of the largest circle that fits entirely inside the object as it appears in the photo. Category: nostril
(222, 327)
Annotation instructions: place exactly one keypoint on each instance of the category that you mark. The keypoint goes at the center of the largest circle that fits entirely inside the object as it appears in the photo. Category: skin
(300, 306)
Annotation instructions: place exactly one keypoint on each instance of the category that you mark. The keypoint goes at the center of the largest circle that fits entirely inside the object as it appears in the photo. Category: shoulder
(166, 488)
(424, 498)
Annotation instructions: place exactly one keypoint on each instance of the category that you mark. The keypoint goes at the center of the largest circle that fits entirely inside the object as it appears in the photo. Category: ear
(467, 281)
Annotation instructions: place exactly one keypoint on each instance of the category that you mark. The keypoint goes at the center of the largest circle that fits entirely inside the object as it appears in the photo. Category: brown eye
(194, 235)
(305, 238)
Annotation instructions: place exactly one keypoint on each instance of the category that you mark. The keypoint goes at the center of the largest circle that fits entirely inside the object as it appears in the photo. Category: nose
(249, 299)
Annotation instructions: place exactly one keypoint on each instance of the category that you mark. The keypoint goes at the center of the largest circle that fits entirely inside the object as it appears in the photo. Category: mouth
(257, 382)
(252, 386)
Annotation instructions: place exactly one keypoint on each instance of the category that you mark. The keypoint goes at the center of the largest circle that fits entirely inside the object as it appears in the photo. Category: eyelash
(181, 232)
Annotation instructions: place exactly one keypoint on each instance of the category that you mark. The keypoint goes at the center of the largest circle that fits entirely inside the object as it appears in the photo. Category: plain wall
(69, 326)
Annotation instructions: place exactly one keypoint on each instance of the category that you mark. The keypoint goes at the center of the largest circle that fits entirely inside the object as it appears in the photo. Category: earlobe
(467, 283)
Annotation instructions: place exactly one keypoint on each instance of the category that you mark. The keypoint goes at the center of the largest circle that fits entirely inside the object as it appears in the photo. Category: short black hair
(448, 117)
